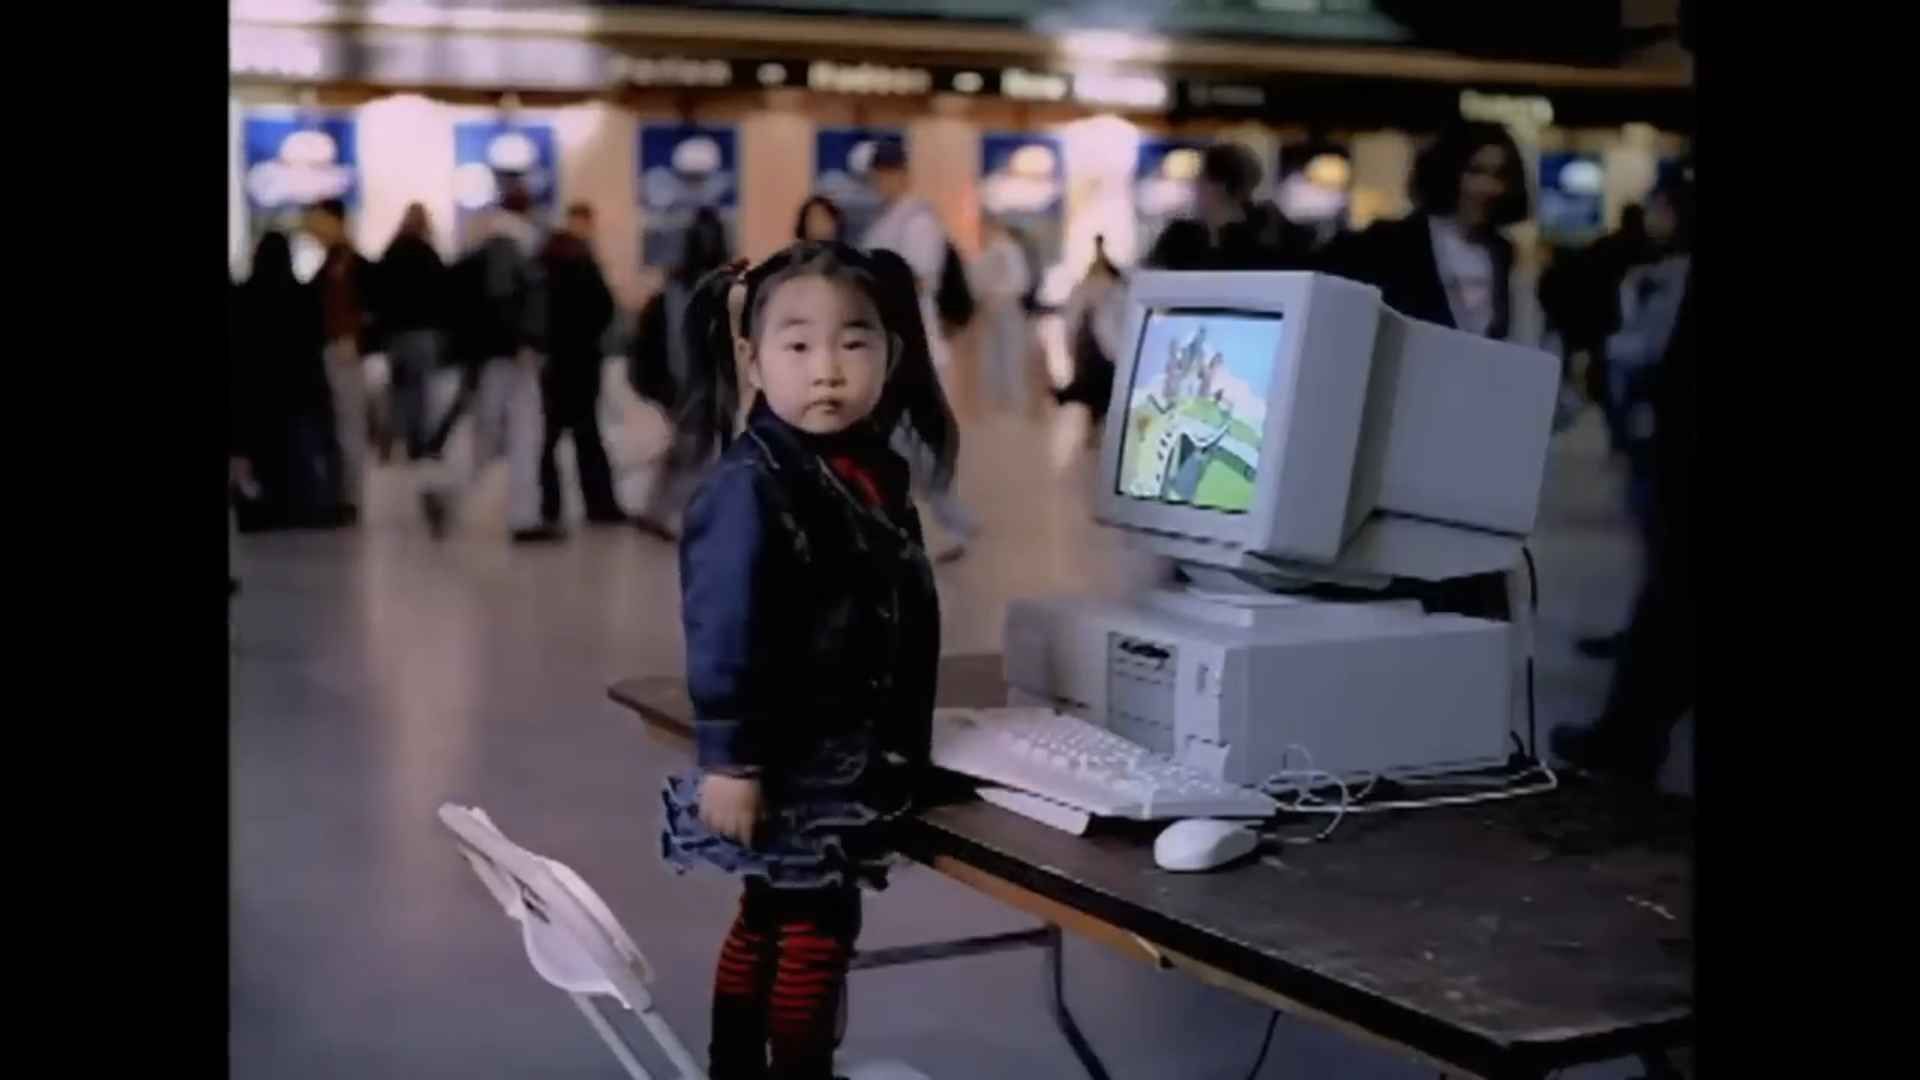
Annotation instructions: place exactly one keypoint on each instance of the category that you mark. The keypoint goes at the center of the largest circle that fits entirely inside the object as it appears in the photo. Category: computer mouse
(1202, 844)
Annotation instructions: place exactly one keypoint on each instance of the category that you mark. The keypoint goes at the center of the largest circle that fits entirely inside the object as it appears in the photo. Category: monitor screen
(1197, 407)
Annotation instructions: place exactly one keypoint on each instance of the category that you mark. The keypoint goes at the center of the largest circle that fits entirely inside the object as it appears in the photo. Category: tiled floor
(377, 673)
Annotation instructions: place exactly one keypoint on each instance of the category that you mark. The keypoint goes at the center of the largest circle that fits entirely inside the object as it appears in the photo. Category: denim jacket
(810, 615)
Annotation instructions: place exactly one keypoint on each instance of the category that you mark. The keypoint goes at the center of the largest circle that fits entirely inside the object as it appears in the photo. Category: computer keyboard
(1082, 765)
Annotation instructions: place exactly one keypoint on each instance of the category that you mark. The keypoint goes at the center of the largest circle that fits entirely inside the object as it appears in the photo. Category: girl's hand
(730, 806)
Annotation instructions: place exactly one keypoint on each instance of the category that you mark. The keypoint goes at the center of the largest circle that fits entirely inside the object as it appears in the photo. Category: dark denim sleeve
(725, 611)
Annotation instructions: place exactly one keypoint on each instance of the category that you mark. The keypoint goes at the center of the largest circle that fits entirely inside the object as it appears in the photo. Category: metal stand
(1047, 937)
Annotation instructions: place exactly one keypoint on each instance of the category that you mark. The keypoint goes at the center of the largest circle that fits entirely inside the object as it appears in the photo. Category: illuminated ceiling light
(1111, 46)
(1329, 171)
(1529, 111)
(969, 82)
(1121, 89)
(772, 74)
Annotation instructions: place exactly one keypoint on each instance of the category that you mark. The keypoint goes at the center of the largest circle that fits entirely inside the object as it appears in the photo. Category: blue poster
(293, 160)
(1023, 186)
(841, 157)
(684, 167)
(1163, 178)
(487, 151)
(1572, 197)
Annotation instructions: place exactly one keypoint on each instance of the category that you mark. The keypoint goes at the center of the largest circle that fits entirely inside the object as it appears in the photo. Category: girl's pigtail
(913, 393)
(710, 402)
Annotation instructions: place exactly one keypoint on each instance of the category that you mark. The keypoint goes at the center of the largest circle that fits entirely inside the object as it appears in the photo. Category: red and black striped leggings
(782, 974)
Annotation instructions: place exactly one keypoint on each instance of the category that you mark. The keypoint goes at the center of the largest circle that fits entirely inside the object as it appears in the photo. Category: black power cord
(1533, 587)
(1267, 1041)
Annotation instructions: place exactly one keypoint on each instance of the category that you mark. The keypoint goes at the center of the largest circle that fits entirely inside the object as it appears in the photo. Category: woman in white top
(1002, 280)
(1447, 262)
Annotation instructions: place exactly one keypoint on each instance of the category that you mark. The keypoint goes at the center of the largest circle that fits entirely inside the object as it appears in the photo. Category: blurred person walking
(580, 309)
(413, 291)
(1580, 293)
(661, 363)
(1095, 319)
(909, 227)
(1003, 280)
(820, 219)
(346, 285)
(1653, 686)
(1447, 262)
(285, 460)
(1230, 231)
(1649, 303)
(1650, 298)
(501, 327)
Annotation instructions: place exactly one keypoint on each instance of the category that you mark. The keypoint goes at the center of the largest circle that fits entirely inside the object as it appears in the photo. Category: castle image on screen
(1197, 408)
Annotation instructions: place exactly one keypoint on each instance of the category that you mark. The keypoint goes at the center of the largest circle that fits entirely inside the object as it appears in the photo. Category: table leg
(1047, 937)
(1056, 971)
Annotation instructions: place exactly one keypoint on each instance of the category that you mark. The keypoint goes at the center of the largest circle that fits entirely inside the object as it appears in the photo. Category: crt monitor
(1267, 419)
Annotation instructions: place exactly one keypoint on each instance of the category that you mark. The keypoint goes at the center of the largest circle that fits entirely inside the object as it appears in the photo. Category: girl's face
(821, 354)
(820, 224)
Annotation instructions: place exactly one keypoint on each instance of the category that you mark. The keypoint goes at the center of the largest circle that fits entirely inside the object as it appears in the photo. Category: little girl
(812, 628)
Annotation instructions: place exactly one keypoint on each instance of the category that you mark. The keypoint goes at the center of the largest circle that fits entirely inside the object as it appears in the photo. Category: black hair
(1435, 186)
(1100, 259)
(703, 248)
(514, 196)
(272, 262)
(333, 208)
(1233, 167)
(831, 207)
(910, 395)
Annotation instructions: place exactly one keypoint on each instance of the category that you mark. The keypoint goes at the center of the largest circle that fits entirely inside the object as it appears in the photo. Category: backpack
(953, 299)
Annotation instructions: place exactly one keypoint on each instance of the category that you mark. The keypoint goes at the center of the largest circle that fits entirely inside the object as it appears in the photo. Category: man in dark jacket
(579, 310)
(500, 334)
(1231, 232)
(413, 290)
(347, 300)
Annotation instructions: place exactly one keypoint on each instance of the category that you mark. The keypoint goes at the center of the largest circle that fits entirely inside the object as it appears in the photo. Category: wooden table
(1506, 939)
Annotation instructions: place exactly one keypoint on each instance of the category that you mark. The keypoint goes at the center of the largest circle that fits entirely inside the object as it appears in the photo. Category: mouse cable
(1299, 784)
(1550, 783)
(1265, 1042)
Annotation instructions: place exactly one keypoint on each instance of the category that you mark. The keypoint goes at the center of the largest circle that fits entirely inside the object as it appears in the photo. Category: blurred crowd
(511, 336)
(508, 342)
